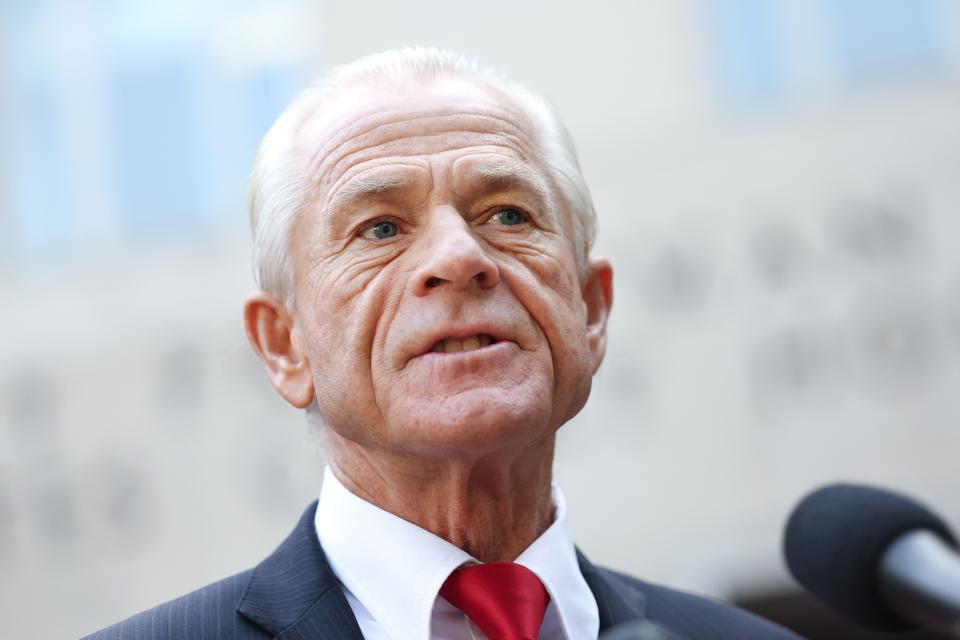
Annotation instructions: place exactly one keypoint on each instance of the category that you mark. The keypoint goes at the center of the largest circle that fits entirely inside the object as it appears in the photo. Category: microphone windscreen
(835, 540)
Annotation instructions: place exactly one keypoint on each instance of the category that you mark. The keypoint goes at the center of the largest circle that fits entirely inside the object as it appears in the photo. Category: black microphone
(877, 557)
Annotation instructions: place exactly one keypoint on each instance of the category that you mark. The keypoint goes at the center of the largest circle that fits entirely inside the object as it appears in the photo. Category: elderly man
(422, 235)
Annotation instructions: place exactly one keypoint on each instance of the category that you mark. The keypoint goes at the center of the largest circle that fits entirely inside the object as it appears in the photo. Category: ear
(272, 332)
(598, 299)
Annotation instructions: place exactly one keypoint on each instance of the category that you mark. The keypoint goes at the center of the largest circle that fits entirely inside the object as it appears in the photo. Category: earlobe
(598, 299)
(272, 332)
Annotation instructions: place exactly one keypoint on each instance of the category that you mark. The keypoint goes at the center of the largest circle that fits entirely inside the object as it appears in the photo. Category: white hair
(279, 188)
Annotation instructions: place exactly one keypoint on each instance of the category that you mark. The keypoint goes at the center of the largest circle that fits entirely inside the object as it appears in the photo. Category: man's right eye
(381, 230)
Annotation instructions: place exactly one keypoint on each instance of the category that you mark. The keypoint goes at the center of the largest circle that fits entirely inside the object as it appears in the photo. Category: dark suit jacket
(294, 595)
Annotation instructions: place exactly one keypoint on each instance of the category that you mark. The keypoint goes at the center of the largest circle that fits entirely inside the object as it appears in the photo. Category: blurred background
(777, 183)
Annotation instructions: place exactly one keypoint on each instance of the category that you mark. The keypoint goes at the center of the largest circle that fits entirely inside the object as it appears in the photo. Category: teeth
(455, 345)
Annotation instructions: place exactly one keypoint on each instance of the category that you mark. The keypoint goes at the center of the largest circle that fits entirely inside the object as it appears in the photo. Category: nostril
(432, 282)
(481, 277)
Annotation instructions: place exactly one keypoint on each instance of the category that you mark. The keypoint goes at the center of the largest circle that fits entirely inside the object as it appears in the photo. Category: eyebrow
(508, 174)
(498, 174)
(364, 187)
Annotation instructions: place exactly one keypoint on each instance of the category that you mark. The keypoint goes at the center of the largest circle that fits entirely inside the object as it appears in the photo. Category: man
(422, 235)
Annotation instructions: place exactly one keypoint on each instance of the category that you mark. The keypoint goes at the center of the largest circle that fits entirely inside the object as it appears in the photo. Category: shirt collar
(410, 564)
(393, 567)
(553, 558)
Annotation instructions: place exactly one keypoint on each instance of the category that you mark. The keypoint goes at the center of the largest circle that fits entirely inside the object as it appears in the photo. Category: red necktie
(506, 600)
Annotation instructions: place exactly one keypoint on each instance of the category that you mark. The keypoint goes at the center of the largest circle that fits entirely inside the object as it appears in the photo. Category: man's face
(437, 293)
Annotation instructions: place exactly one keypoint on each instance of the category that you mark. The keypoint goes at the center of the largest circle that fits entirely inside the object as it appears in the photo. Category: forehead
(414, 123)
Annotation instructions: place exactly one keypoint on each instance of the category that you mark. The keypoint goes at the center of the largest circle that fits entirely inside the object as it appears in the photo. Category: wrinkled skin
(432, 216)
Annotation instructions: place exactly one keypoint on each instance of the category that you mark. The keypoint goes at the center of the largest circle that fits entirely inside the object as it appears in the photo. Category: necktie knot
(506, 600)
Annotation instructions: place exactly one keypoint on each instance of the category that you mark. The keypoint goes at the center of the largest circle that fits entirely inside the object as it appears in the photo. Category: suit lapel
(294, 593)
(617, 601)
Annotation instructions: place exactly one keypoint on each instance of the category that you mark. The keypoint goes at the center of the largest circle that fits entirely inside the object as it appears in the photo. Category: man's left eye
(509, 216)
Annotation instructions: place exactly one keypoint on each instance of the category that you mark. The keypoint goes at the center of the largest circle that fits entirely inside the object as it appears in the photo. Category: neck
(493, 507)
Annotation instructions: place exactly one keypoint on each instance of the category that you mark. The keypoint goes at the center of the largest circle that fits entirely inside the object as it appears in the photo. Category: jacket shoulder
(699, 617)
(209, 612)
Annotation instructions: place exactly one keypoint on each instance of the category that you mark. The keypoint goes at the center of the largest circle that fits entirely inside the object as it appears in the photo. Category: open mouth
(469, 343)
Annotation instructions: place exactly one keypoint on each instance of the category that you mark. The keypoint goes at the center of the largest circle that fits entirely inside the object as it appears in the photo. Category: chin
(474, 422)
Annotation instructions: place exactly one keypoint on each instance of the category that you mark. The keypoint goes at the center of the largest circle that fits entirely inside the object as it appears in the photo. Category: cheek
(342, 294)
(549, 288)
(346, 275)
(341, 314)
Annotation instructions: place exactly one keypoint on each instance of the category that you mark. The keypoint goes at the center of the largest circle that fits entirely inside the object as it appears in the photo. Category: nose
(453, 257)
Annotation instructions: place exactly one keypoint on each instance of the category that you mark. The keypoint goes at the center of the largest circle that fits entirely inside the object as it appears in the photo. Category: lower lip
(497, 350)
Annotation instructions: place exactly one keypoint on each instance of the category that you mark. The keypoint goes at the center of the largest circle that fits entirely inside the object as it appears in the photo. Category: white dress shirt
(392, 571)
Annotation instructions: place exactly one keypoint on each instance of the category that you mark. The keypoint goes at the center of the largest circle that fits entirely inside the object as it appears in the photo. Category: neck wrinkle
(493, 507)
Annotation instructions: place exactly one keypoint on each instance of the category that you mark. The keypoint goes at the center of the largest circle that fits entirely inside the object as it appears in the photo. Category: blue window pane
(746, 52)
(881, 38)
(41, 176)
(157, 140)
(37, 185)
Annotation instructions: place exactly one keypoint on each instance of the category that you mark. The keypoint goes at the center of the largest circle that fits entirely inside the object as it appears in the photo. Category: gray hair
(279, 187)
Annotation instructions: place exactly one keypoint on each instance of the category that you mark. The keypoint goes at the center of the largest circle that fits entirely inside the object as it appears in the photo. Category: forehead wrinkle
(422, 148)
(318, 158)
(387, 117)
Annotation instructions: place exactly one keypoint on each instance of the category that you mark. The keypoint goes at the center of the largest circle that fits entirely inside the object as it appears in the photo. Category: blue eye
(381, 230)
(510, 217)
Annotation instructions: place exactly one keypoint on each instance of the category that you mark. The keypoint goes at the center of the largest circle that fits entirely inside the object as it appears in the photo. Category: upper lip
(458, 332)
